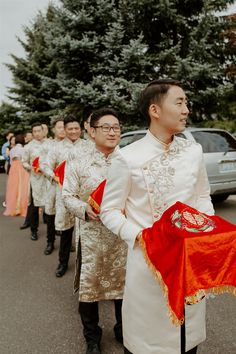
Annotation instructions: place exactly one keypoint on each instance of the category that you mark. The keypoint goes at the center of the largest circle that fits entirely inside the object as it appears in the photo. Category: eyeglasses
(106, 128)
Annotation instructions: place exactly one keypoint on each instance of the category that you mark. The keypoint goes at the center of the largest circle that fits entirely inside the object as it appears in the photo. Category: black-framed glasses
(106, 128)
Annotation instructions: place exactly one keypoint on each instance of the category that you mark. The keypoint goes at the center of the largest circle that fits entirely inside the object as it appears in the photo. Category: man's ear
(92, 132)
(154, 111)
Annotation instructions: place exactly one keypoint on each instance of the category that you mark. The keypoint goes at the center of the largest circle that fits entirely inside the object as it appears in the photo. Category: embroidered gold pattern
(103, 254)
(159, 175)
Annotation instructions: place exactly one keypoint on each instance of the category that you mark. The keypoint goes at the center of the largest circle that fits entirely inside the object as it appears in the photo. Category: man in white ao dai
(144, 180)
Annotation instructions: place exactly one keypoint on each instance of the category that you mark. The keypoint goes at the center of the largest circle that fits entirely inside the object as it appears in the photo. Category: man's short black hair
(70, 118)
(154, 93)
(19, 139)
(36, 124)
(99, 113)
(56, 119)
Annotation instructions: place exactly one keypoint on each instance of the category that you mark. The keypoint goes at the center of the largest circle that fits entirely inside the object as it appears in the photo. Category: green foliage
(103, 52)
(10, 119)
(229, 125)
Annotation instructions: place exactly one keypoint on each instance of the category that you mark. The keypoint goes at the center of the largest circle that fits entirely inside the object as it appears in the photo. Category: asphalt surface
(39, 313)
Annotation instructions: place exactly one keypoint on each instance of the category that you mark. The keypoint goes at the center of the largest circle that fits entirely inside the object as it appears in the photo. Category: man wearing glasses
(101, 255)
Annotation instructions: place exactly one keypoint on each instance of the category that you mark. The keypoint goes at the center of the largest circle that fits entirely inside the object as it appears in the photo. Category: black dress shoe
(34, 236)
(24, 226)
(93, 348)
(48, 250)
(61, 270)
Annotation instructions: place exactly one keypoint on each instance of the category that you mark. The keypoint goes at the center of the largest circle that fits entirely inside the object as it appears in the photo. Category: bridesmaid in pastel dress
(17, 183)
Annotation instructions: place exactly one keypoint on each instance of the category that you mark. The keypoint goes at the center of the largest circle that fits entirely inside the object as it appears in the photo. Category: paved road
(38, 312)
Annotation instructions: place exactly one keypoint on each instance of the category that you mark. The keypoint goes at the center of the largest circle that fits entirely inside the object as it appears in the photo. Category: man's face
(38, 133)
(73, 131)
(45, 130)
(59, 130)
(28, 137)
(173, 111)
(103, 135)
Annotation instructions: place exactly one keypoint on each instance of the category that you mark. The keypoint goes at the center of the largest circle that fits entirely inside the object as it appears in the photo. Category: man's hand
(91, 214)
(56, 179)
(138, 237)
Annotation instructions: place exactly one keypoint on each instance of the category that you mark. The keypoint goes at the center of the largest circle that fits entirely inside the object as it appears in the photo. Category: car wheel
(219, 198)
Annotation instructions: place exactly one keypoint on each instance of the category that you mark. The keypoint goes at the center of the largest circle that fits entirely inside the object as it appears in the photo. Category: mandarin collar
(39, 141)
(157, 143)
(72, 142)
(100, 156)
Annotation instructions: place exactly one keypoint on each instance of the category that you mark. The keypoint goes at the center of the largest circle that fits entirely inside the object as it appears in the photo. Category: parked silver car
(219, 148)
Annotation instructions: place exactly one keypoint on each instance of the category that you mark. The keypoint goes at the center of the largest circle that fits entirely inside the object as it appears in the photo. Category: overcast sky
(14, 14)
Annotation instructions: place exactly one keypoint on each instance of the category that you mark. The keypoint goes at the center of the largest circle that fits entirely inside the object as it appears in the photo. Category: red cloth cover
(191, 254)
(95, 198)
(35, 165)
(59, 172)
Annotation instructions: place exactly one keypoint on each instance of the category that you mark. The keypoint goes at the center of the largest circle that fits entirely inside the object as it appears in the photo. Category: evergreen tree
(103, 52)
(184, 41)
(108, 50)
(11, 119)
(98, 64)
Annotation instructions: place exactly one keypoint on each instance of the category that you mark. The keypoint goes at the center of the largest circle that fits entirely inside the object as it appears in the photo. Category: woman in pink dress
(17, 183)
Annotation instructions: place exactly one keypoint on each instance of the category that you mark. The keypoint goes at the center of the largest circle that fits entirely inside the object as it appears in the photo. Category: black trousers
(33, 216)
(27, 218)
(65, 246)
(183, 341)
(90, 318)
(50, 221)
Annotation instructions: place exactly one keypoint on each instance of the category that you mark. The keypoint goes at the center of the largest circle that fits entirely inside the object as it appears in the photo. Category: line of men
(101, 255)
(142, 181)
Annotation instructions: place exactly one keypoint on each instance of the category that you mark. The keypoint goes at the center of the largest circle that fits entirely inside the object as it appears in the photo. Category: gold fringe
(192, 299)
(94, 204)
(217, 290)
(158, 276)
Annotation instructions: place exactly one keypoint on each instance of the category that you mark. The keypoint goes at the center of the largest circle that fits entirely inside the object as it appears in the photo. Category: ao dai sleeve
(204, 203)
(71, 189)
(49, 162)
(26, 158)
(114, 201)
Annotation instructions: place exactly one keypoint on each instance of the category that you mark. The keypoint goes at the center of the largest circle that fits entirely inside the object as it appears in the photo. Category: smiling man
(101, 256)
(144, 180)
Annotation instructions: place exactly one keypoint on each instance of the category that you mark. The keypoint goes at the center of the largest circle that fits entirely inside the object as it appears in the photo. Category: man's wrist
(139, 236)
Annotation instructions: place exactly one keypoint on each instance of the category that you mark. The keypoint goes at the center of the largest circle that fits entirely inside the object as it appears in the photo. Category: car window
(138, 136)
(128, 139)
(181, 135)
(215, 141)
